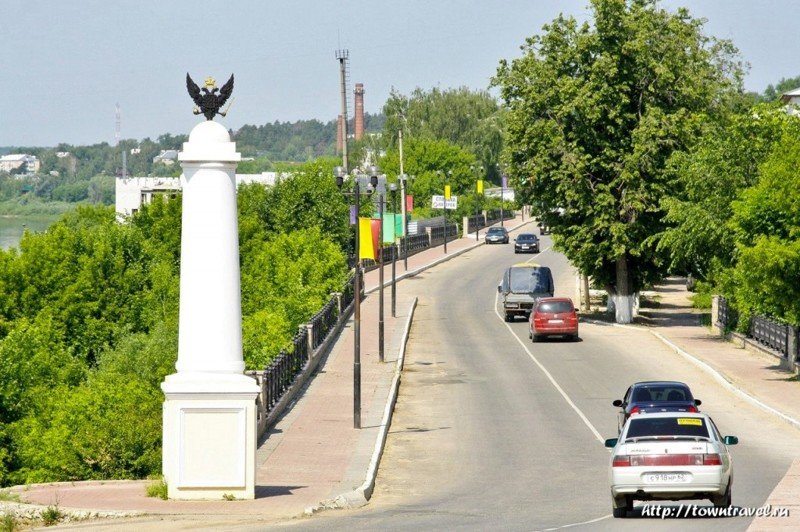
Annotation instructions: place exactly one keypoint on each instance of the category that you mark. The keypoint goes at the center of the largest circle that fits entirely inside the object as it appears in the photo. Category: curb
(361, 495)
(720, 377)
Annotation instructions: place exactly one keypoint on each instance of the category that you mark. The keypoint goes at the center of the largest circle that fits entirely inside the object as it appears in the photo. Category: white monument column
(209, 445)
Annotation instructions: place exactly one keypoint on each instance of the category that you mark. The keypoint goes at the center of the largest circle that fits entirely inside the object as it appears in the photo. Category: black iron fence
(283, 369)
(437, 234)
(727, 317)
(777, 336)
(276, 379)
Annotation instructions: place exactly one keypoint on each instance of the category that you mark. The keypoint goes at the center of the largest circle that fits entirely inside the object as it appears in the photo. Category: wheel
(723, 501)
(573, 338)
(509, 317)
(534, 338)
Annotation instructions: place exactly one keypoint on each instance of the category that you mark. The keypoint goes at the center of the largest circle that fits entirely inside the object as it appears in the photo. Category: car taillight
(691, 409)
(621, 461)
(638, 460)
(635, 410)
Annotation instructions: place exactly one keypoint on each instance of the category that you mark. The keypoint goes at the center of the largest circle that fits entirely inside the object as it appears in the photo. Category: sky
(68, 63)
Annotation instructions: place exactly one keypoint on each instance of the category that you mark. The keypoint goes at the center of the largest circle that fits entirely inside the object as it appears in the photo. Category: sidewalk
(756, 377)
(313, 458)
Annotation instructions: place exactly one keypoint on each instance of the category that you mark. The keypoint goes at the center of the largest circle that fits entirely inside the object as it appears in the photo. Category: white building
(15, 161)
(133, 192)
(167, 157)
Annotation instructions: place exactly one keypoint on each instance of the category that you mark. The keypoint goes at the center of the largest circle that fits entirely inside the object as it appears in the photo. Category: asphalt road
(492, 431)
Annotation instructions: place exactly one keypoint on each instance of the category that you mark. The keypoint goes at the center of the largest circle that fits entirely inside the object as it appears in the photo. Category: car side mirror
(617, 402)
(698, 402)
(730, 440)
(499, 288)
(612, 442)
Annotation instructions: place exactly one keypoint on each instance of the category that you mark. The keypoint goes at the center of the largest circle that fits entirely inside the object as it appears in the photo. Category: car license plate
(666, 478)
(557, 322)
(525, 247)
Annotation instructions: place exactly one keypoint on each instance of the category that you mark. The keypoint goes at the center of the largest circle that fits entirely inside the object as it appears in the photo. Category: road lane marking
(550, 377)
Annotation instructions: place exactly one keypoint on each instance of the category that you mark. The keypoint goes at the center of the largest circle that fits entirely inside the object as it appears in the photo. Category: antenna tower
(343, 56)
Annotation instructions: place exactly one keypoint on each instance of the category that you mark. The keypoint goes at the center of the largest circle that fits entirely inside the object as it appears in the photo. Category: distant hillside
(299, 141)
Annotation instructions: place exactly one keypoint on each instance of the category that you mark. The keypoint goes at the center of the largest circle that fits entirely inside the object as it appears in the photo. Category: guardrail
(775, 335)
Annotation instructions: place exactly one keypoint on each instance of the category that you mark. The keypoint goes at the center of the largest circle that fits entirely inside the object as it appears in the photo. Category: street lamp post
(393, 189)
(340, 174)
(444, 210)
(502, 198)
(374, 179)
(478, 191)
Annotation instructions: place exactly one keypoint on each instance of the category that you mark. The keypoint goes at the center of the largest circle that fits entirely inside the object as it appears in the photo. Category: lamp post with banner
(393, 189)
(503, 184)
(340, 174)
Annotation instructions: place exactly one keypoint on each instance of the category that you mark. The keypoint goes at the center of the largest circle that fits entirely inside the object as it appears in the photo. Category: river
(12, 227)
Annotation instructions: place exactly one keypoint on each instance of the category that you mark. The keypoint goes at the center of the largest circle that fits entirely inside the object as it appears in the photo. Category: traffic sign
(438, 202)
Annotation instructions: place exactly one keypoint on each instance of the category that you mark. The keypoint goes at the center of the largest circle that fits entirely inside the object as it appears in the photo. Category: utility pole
(342, 56)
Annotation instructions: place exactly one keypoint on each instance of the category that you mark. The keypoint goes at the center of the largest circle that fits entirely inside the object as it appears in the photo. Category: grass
(8, 523)
(229, 497)
(52, 515)
(6, 495)
(158, 489)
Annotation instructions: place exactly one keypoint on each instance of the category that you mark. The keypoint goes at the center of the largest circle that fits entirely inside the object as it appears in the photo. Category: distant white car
(670, 456)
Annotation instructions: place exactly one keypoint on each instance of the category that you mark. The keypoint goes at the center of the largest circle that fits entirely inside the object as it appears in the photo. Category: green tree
(432, 163)
(766, 226)
(710, 175)
(465, 118)
(595, 111)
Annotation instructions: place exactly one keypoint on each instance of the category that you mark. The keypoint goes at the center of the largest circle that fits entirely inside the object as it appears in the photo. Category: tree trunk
(586, 292)
(623, 299)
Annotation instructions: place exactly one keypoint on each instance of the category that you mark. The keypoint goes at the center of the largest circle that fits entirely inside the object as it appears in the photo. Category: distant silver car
(670, 456)
(497, 235)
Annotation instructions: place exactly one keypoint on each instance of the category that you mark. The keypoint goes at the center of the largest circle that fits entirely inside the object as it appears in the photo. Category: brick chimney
(359, 117)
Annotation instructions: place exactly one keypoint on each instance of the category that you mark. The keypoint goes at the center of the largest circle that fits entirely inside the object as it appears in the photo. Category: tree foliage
(594, 113)
(462, 117)
(89, 321)
(710, 175)
(766, 228)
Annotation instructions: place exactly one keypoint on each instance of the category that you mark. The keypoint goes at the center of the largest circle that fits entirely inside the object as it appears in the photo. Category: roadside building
(133, 192)
(20, 163)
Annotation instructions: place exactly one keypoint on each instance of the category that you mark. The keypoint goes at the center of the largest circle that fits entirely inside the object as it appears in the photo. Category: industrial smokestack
(359, 111)
(339, 134)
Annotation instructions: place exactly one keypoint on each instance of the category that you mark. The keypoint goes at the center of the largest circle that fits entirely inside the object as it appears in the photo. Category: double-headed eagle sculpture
(209, 99)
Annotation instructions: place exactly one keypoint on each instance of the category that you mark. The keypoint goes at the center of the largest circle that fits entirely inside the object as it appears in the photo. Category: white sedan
(670, 456)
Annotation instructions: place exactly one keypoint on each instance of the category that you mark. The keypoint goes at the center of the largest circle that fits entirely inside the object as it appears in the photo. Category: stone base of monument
(209, 447)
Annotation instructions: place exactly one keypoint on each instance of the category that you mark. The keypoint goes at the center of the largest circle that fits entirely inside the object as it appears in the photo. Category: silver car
(670, 456)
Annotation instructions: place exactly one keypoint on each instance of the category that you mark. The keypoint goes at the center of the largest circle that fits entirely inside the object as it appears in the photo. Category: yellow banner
(366, 248)
(690, 421)
(480, 186)
(447, 192)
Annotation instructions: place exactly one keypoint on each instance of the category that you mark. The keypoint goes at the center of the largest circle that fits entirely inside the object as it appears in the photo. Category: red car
(554, 316)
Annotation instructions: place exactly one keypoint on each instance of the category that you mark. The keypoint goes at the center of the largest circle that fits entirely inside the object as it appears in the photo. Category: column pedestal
(209, 439)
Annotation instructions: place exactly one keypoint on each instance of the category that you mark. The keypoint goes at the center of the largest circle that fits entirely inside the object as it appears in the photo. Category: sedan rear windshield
(643, 426)
(555, 306)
